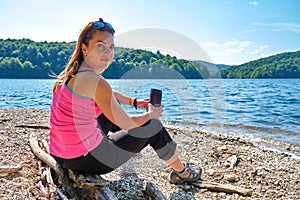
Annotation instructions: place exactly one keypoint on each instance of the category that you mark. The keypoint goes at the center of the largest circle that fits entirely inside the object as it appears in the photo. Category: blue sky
(230, 31)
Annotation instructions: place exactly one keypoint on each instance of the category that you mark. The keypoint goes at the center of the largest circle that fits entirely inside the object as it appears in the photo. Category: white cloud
(253, 3)
(231, 42)
(229, 48)
(235, 42)
(279, 26)
(226, 52)
(210, 44)
(259, 51)
(234, 51)
(245, 43)
(264, 47)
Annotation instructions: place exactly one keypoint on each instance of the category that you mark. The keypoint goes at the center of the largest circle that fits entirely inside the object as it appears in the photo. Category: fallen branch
(45, 145)
(48, 175)
(10, 169)
(32, 126)
(43, 189)
(61, 194)
(222, 188)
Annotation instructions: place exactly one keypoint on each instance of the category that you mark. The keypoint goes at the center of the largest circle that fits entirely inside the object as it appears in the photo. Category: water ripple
(266, 104)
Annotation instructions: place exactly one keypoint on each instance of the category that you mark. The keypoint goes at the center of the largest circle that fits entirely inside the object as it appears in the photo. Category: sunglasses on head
(99, 25)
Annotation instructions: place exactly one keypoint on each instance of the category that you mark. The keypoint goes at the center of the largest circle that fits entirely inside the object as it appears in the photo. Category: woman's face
(100, 50)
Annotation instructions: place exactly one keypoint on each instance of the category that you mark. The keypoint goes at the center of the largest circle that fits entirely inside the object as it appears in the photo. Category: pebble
(210, 172)
(186, 187)
(222, 148)
(230, 177)
(231, 162)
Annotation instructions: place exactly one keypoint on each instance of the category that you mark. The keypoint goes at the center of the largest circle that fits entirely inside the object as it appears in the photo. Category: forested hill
(24, 58)
(284, 65)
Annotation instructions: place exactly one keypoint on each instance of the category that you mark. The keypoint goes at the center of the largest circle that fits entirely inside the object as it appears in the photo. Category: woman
(89, 130)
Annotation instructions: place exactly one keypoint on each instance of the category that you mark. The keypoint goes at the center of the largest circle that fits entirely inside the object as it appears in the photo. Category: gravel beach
(269, 174)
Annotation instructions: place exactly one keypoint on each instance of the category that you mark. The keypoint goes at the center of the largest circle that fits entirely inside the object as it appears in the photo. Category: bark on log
(51, 162)
(87, 181)
(154, 192)
(45, 144)
(10, 169)
(95, 190)
(222, 188)
(46, 158)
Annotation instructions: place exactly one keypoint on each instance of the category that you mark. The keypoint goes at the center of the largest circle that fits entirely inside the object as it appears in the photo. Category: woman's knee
(156, 125)
(167, 151)
(156, 121)
(148, 130)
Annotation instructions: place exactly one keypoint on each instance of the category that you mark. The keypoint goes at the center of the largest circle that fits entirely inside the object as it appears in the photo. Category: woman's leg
(136, 139)
(154, 133)
(174, 162)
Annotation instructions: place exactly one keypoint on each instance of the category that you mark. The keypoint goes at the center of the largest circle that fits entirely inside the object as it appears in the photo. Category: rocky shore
(226, 160)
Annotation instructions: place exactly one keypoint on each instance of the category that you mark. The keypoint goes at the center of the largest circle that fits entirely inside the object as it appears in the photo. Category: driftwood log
(71, 182)
(230, 189)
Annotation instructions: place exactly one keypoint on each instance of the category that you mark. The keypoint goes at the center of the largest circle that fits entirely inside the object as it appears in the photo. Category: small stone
(231, 161)
(230, 177)
(222, 148)
(260, 173)
(210, 172)
(186, 187)
(222, 195)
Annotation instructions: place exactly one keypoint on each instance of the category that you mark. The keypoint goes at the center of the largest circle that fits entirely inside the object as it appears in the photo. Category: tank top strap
(81, 69)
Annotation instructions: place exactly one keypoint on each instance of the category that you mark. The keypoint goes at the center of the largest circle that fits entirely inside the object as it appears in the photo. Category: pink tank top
(73, 124)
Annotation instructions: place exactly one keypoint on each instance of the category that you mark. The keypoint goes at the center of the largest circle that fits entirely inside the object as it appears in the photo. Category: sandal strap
(192, 172)
(188, 174)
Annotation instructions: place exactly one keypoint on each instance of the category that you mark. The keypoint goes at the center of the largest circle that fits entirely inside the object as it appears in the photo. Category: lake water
(252, 108)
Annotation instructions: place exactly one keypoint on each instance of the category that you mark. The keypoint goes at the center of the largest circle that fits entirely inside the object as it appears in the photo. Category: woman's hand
(154, 112)
(142, 103)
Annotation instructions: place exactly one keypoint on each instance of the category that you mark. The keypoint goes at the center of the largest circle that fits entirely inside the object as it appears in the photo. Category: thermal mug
(155, 97)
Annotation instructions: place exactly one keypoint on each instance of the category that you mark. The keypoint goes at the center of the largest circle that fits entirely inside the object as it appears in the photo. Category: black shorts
(118, 146)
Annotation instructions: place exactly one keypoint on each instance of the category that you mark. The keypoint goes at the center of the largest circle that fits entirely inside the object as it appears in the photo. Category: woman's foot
(189, 174)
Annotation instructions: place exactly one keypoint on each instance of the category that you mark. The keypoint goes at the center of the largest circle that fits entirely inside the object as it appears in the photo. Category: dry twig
(10, 169)
(222, 188)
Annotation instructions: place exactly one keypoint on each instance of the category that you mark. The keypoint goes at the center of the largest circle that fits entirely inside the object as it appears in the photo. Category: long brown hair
(77, 58)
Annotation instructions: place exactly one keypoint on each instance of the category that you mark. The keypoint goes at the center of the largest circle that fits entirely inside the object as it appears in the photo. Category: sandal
(188, 175)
